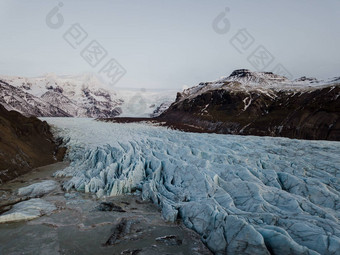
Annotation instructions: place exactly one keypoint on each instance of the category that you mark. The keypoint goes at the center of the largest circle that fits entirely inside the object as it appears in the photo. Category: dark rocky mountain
(264, 104)
(25, 143)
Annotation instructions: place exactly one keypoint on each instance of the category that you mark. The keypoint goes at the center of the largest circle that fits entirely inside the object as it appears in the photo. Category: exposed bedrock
(305, 114)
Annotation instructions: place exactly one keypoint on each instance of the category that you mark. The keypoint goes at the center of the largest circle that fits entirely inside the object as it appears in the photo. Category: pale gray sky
(169, 44)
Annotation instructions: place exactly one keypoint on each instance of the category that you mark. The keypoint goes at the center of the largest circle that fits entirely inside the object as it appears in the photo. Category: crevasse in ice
(243, 195)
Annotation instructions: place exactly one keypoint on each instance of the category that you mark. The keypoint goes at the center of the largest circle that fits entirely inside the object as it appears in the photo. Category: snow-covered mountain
(145, 103)
(79, 96)
(13, 98)
(260, 103)
(263, 82)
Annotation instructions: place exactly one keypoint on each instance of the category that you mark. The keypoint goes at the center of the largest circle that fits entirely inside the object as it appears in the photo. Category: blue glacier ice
(242, 194)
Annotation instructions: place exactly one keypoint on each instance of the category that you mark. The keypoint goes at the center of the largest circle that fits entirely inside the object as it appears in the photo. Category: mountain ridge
(265, 104)
(77, 96)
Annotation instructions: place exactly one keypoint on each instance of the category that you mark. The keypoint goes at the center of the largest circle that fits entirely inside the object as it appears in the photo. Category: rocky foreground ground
(39, 217)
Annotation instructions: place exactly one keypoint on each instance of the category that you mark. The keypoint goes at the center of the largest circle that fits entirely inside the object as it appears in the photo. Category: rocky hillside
(25, 143)
(264, 104)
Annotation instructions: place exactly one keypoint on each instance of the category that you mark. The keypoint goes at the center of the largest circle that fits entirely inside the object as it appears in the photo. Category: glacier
(242, 194)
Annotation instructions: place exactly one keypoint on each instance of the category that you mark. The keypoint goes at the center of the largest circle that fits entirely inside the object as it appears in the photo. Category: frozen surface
(28, 210)
(243, 195)
(38, 189)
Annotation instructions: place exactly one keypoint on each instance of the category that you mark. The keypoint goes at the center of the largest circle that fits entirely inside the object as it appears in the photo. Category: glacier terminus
(241, 194)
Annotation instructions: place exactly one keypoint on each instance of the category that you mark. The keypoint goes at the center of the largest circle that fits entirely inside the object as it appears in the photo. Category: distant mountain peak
(246, 76)
(263, 82)
(241, 73)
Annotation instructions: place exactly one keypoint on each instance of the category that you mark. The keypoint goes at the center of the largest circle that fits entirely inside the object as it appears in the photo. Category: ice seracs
(243, 195)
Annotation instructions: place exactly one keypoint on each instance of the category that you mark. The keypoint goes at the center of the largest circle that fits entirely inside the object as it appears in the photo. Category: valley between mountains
(246, 164)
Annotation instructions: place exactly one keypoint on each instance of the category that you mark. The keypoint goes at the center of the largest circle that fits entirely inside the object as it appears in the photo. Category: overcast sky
(169, 44)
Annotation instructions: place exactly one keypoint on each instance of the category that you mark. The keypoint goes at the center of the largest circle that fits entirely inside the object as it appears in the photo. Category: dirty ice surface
(243, 195)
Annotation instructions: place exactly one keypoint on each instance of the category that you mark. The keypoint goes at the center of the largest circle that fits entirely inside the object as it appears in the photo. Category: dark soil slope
(25, 143)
